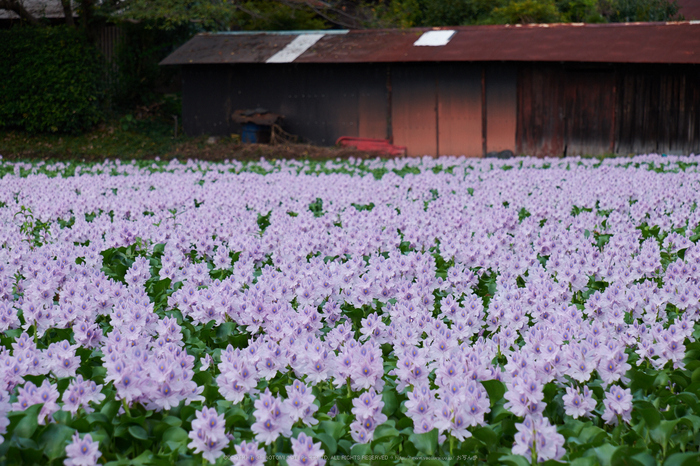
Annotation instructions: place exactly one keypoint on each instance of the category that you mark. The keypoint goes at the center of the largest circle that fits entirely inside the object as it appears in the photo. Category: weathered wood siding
(501, 106)
(596, 109)
(538, 109)
(658, 110)
(459, 110)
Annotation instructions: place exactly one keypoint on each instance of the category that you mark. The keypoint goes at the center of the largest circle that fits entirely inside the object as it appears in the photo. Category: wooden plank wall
(589, 110)
(373, 103)
(501, 104)
(658, 110)
(540, 125)
(594, 109)
(459, 110)
(413, 108)
(205, 100)
(538, 109)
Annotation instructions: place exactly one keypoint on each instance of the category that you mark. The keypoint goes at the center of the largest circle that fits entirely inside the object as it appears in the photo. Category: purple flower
(577, 404)
(208, 434)
(305, 452)
(618, 404)
(80, 394)
(333, 412)
(248, 454)
(5, 407)
(537, 437)
(30, 395)
(300, 403)
(83, 452)
(368, 415)
(271, 418)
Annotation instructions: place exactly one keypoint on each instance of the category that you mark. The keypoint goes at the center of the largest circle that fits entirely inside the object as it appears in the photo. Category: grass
(152, 137)
(118, 138)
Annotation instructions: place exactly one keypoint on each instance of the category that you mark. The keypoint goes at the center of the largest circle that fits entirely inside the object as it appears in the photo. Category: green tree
(642, 10)
(580, 11)
(458, 12)
(408, 13)
(233, 15)
(526, 12)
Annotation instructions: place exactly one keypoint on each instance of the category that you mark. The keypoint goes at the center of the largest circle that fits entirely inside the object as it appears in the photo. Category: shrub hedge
(51, 80)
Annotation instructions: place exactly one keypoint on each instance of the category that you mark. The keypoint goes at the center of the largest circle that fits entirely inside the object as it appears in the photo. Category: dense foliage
(137, 78)
(433, 311)
(465, 12)
(51, 80)
(311, 14)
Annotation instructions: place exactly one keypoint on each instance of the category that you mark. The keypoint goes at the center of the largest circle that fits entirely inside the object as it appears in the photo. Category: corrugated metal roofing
(677, 42)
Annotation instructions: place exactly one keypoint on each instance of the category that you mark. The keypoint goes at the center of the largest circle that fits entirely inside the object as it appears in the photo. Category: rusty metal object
(258, 116)
(221, 48)
(372, 145)
(677, 42)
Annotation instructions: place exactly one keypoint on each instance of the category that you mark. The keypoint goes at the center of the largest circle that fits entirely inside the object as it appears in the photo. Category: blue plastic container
(255, 134)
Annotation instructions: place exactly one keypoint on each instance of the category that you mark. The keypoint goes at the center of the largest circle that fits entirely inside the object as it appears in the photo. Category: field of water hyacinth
(414, 311)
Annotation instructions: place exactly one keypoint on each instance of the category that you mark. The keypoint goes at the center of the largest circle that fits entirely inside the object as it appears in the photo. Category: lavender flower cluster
(528, 272)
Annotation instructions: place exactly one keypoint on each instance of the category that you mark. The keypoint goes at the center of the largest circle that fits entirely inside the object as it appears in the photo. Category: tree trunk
(68, 12)
(86, 10)
(17, 7)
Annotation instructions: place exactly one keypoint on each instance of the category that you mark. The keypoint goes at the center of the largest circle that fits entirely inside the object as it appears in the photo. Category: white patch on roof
(435, 38)
(694, 22)
(295, 48)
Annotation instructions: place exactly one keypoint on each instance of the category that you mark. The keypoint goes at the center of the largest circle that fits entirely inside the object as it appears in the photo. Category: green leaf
(592, 435)
(345, 445)
(361, 449)
(585, 461)
(650, 415)
(514, 460)
(426, 442)
(662, 433)
(97, 418)
(138, 432)
(333, 428)
(391, 402)
(29, 422)
(639, 380)
(330, 446)
(54, 440)
(62, 417)
(495, 388)
(110, 409)
(385, 430)
(172, 421)
(225, 330)
(143, 459)
(175, 434)
(645, 459)
(683, 459)
(487, 435)
(604, 453)
(26, 443)
(433, 462)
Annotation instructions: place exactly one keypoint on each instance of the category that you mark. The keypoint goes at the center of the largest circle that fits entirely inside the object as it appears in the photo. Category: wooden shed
(542, 90)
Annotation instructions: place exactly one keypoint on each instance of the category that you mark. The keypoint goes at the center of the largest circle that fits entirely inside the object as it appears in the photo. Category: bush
(139, 80)
(51, 80)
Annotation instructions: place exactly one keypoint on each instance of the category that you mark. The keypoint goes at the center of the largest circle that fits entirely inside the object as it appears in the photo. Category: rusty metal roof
(676, 42)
